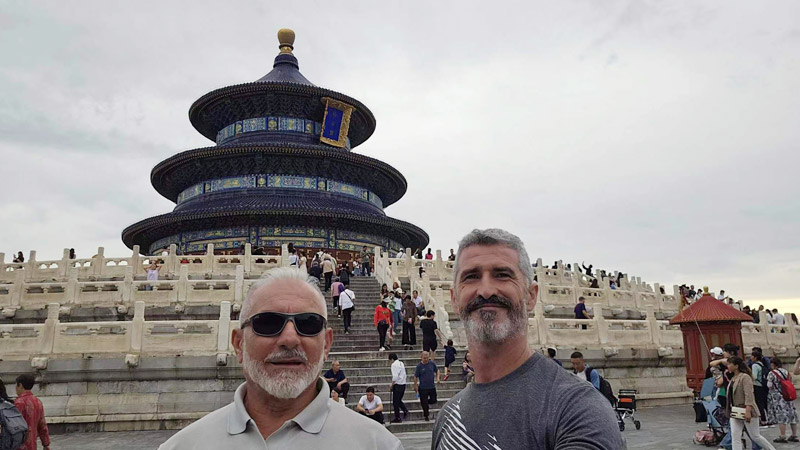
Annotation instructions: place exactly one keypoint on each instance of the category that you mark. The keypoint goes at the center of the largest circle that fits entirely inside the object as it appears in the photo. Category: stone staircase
(364, 366)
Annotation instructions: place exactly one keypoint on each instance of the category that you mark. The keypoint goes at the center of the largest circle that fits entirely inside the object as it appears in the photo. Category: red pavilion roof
(709, 309)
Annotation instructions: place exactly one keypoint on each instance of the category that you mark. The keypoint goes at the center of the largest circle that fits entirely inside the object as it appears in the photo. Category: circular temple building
(282, 171)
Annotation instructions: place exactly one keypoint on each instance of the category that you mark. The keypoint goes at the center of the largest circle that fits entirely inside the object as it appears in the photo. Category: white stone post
(31, 268)
(248, 257)
(408, 262)
(183, 284)
(19, 288)
(439, 265)
(210, 265)
(600, 323)
(97, 262)
(238, 287)
(541, 324)
(652, 324)
(63, 267)
(49, 334)
(72, 292)
(136, 261)
(764, 326)
(224, 327)
(676, 294)
(284, 255)
(171, 261)
(137, 327)
(127, 285)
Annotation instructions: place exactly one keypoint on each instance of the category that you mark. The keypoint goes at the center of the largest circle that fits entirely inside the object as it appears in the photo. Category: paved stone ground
(666, 427)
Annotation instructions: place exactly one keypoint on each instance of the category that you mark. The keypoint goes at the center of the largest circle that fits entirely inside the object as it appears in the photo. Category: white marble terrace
(119, 282)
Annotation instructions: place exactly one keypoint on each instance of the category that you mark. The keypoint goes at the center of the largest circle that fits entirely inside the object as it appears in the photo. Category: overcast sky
(655, 138)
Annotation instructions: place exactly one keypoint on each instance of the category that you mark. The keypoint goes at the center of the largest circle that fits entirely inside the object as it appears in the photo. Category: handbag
(738, 413)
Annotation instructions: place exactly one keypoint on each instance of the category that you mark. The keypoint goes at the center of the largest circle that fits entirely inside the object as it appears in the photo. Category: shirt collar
(311, 418)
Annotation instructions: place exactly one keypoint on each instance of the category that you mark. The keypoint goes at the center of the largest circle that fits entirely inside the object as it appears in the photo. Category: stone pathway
(664, 427)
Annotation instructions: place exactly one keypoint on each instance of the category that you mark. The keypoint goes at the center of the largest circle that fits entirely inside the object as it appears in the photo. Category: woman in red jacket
(383, 321)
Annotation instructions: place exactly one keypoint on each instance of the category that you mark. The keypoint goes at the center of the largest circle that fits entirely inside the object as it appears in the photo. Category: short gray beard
(283, 384)
(487, 330)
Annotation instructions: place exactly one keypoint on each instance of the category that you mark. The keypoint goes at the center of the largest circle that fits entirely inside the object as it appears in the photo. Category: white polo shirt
(322, 424)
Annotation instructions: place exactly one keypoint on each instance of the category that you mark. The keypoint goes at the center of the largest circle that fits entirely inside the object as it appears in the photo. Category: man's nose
(486, 286)
(289, 337)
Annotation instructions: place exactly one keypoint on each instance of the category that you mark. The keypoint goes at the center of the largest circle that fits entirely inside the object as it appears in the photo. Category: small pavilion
(705, 324)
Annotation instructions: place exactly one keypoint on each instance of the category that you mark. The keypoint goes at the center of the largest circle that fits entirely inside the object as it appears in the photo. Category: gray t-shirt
(539, 406)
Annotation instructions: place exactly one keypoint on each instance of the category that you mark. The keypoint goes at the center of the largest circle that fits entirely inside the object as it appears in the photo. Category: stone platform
(664, 427)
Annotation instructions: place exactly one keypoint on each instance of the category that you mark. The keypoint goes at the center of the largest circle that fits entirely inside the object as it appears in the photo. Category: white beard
(282, 383)
(486, 328)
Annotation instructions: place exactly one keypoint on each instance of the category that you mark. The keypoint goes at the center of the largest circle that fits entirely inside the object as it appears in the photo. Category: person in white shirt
(401, 254)
(335, 397)
(371, 405)
(398, 387)
(418, 303)
(721, 295)
(346, 298)
(152, 275)
(778, 318)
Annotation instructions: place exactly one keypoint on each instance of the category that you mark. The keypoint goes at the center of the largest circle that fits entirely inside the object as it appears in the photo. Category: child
(449, 358)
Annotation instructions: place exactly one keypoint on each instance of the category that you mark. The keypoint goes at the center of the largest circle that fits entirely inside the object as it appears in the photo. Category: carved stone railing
(39, 342)
(101, 267)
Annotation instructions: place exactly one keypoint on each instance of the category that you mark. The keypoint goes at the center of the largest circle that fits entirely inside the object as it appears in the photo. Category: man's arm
(416, 383)
(378, 409)
(344, 380)
(595, 379)
(44, 433)
(360, 408)
(585, 313)
(438, 375)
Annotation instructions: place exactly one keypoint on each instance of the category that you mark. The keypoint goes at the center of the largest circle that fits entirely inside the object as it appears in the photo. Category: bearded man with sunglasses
(545, 406)
(281, 344)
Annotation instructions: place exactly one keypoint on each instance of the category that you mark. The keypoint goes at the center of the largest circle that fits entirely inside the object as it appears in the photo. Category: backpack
(605, 387)
(764, 373)
(787, 388)
(14, 427)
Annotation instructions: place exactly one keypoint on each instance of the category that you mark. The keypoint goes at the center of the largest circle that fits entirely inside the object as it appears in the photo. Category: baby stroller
(717, 421)
(626, 408)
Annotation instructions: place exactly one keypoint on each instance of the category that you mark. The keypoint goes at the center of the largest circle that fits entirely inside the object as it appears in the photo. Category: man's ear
(236, 340)
(328, 341)
(533, 295)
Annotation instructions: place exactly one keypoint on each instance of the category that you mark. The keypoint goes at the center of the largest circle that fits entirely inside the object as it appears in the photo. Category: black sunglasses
(272, 323)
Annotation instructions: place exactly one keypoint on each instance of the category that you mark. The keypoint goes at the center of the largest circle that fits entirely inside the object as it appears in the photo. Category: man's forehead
(288, 296)
(491, 255)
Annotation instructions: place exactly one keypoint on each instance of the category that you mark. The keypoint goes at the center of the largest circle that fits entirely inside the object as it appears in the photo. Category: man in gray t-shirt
(518, 400)
(538, 406)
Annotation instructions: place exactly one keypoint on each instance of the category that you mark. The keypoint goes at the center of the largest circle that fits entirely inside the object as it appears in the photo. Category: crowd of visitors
(756, 392)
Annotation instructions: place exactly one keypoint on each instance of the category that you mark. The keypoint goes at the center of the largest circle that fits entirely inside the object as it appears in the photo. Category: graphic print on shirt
(454, 434)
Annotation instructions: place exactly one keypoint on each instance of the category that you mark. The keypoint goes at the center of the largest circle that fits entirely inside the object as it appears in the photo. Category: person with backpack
(585, 372)
(33, 412)
(780, 400)
(760, 372)
(13, 427)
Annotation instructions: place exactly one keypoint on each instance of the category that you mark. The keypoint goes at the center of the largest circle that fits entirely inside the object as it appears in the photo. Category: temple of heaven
(282, 171)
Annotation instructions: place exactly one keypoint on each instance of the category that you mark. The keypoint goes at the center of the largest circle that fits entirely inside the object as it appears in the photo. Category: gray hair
(277, 274)
(495, 236)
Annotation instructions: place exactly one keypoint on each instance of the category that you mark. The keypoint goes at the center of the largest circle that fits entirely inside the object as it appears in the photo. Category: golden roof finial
(705, 290)
(286, 40)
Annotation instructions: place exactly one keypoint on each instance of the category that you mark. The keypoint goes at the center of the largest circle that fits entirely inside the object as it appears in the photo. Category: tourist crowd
(755, 392)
